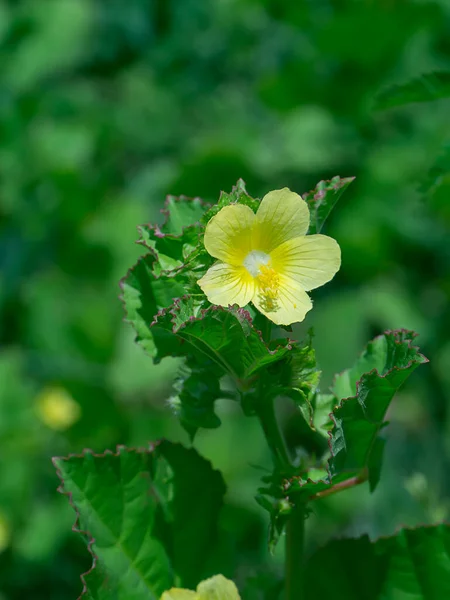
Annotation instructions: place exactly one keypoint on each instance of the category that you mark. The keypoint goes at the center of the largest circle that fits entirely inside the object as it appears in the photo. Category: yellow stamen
(269, 282)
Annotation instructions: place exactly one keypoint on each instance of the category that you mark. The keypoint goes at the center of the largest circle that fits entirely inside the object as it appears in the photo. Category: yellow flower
(57, 409)
(267, 258)
(215, 588)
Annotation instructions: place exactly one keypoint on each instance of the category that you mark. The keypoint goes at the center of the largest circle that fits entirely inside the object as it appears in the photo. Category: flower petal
(292, 302)
(179, 594)
(227, 284)
(310, 260)
(281, 216)
(228, 235)
(218, 588)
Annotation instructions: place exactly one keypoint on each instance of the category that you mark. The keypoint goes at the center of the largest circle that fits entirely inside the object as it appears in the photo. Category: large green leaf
(323, 198)
(147, 517)
(225, 336)
(430, 86)
(414, 564)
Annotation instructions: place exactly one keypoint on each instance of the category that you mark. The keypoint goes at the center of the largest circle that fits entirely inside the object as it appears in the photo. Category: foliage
(106, 107)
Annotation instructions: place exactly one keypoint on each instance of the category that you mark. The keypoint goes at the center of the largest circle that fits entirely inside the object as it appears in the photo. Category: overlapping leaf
(323, 198)
(144, 517)
(415, 563)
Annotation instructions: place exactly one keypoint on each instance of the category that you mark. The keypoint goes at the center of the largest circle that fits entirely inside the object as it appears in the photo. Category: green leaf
(224, 335)
(144, 517)
(238, 195)
(366, 391)
(413, 564)
(360, 398)
(323, 198)
(197, 387)
(144, 295)
(430, 86)
(174, 243)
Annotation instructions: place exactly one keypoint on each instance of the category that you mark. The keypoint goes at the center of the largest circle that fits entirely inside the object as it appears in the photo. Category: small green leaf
(144, 295)
(238, 195)
(415, 563)
(176, 240)
(323, 198)
(144, 516)
(366, 391)
(427, 87)
(197, 387)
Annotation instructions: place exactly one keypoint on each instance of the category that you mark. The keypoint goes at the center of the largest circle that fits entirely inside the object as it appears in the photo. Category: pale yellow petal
(281, 216)
(218, 588)
(226, 284)
(291, 303)
(311, 260)
(179, 594)
(228, 235)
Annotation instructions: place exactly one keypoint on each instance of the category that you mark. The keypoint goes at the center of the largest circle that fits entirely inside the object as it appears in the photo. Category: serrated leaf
(371, 383)
(177, 239)
(196, 388)
(427, 87)
(413, 564)
(144, 295)
(238, 195)
(144, 518)
(225, 335)
(361, 396)
(323, 198)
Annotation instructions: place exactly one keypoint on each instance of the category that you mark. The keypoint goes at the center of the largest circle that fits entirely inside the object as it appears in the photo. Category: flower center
(257, 264)
(254, 260)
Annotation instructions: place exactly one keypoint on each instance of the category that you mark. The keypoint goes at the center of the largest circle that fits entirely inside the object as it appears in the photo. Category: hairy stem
(295, 538)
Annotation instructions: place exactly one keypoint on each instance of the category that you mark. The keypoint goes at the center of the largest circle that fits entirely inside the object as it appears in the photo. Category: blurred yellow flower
(57, 409)
(5, 533)
(267, 259)
(215, 588)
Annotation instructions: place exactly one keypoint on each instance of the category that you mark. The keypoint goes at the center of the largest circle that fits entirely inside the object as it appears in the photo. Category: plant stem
(295, 538)
(274, 437)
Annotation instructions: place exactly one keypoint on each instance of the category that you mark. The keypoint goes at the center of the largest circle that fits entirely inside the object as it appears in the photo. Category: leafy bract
(430, 86)
(145, 516)
(323, 198)
(415, 563)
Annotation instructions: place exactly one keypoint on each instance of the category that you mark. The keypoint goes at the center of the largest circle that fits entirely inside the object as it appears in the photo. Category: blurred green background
(107, 106)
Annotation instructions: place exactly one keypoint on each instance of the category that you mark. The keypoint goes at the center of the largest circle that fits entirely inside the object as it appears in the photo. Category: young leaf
(174, 243)
(197, 387)
(238, 195)
(431, 86)
(415, 563)
(366, 391)
(144, 518)
(323, 198)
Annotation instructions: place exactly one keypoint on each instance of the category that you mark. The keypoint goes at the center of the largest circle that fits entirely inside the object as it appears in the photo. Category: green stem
(274, 437)
(294, 569)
